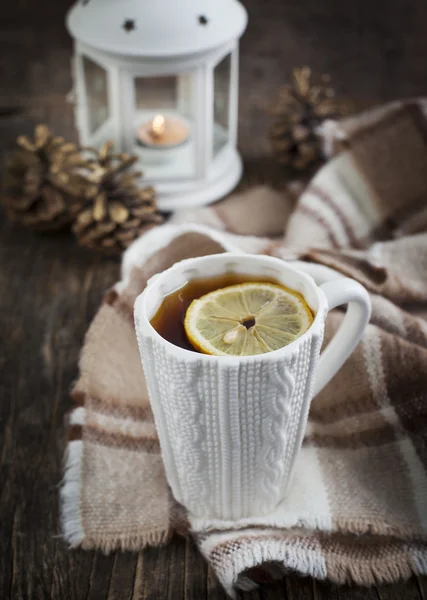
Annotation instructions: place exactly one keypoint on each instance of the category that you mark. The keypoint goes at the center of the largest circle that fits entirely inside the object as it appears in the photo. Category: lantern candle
(160, 138)
(158, 127)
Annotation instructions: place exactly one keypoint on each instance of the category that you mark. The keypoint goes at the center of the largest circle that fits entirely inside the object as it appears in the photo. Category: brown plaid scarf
(357, 509)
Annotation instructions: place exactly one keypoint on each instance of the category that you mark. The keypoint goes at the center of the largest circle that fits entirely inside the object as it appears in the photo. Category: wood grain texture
(422, 586)
(50, 288)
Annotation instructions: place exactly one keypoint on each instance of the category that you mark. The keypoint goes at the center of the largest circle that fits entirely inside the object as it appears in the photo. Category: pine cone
(117, 209)
(303, 106)
(38, 180)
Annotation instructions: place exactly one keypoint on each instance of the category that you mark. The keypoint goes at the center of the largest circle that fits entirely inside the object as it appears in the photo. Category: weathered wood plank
(422, 586)
(100, 577)
(268, 591)
(300, 588)
(156, 570)
(122, 576)
(357, 593)
(214, 591)
(408, 591)
(194, 587)
(71, 574)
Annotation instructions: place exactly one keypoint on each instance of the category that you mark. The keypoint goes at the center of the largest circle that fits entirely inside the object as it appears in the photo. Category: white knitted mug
(230, 428)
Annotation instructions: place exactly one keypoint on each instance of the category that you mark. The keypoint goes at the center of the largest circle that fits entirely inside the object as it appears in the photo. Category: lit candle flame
(158, 126)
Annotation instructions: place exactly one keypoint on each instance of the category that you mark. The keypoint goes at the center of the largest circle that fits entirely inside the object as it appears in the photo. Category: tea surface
(169, 318)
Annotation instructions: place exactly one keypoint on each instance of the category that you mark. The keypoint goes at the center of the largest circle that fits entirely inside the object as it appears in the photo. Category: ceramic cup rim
(142, 320)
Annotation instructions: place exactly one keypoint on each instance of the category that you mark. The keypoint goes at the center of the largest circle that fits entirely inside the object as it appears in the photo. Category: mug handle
(337, 292)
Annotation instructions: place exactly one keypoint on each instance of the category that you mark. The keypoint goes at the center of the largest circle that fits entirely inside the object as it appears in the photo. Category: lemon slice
(246, 319)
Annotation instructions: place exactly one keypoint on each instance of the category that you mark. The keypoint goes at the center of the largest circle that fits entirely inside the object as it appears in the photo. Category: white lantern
(160, 78)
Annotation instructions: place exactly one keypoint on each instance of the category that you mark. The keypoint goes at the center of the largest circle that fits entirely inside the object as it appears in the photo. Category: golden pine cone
(303, 106)
(38, 179)
(117, 210)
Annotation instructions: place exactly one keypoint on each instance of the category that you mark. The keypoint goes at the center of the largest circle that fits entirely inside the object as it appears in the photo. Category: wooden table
(50, 288)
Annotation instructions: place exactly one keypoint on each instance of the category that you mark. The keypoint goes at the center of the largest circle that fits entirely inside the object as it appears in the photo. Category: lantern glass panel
(172, 97)
(96, 86)
(156, 93)
(221, 100)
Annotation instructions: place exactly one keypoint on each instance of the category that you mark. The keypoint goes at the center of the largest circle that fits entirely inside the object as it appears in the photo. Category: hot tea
(234, 314)
(238, 417)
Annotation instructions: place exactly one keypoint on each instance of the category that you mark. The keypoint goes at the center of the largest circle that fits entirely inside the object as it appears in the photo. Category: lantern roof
(156, 28)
